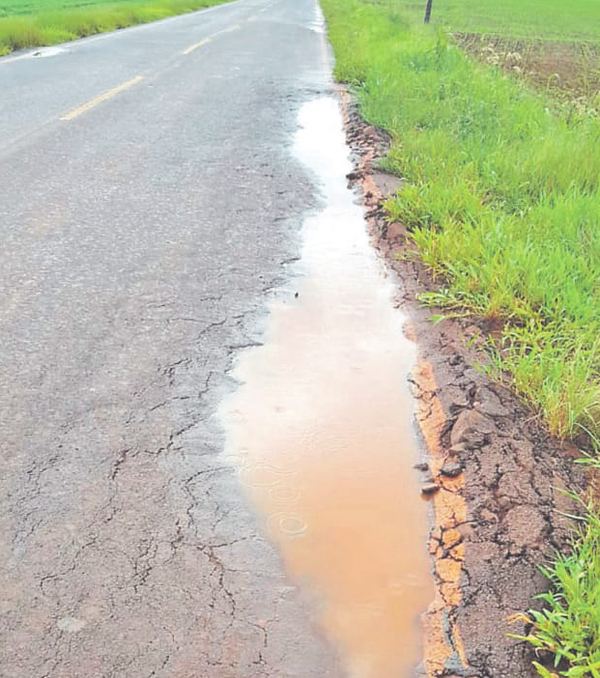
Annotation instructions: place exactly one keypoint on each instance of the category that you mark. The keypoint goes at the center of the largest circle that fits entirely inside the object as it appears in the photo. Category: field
(493, 114)
(562, 20)
(554, 44)
(29, 23)
(28, 7)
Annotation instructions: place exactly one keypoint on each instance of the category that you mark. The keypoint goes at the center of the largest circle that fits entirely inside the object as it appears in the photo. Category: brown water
(321, 429)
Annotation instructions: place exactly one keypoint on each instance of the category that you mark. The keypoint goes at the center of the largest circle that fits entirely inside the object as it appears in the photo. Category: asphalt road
(149, 202)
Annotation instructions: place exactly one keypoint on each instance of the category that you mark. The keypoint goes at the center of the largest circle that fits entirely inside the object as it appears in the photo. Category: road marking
(230, 29)
(103, 97)
(191, 48)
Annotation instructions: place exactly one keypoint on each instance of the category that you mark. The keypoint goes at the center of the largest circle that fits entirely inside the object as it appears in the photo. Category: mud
(498, 504)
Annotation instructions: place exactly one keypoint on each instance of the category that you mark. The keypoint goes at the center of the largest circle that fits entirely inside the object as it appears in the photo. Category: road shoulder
(494, 476)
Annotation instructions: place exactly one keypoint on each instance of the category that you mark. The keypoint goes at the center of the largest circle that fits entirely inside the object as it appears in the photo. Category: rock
(387, 184)
(452, 469)
(489, 403)
(470, 428)
(395, 230)
(429, 488)
(371, 132)
(423, 466)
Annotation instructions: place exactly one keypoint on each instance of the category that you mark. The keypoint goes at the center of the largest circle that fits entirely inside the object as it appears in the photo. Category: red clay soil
(493, 473)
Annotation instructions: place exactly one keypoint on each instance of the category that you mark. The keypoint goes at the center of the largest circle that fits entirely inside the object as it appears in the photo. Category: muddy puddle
(321, 432)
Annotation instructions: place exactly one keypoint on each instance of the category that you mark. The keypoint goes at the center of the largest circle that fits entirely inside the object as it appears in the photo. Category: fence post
(428, 11)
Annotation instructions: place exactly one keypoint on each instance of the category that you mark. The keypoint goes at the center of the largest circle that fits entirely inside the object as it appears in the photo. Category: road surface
(149, 202)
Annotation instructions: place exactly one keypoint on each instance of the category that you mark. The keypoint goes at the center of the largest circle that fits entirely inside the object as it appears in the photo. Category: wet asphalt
(139, 239)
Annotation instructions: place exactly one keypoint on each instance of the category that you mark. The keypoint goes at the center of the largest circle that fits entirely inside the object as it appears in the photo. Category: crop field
(493, 114)
(29, 23)
(554, 44)
(562, 20)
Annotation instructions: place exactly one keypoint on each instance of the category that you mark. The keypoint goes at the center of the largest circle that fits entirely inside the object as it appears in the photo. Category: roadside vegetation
(501, 195)
(567, 628)
(48, 22)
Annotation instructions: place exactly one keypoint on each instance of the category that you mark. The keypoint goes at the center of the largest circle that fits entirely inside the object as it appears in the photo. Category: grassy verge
(502, 196)
(502, 200)
(49, 23)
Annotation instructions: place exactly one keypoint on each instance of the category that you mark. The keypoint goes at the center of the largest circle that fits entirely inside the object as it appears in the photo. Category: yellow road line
(103, 97)
(191, 48)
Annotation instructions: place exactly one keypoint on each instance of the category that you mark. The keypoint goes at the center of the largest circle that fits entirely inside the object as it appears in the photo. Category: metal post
(428, 11)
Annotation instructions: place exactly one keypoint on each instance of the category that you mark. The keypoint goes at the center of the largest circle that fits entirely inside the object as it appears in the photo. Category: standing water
(321, 429)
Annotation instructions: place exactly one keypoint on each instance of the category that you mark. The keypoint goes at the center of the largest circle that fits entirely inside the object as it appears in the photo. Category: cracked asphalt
(139, 238)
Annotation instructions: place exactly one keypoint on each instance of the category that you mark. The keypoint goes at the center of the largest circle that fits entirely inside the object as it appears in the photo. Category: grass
(573, 20)
(501, 197)
(49, 22)
(554, 44)
(501, 194)
(566, 629)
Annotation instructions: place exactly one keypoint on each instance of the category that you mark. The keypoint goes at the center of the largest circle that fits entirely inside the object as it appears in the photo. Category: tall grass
(502, 198)
(60, 25)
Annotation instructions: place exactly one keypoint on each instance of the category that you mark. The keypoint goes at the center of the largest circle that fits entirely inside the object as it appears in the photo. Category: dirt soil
(493, 474)
(566, 70)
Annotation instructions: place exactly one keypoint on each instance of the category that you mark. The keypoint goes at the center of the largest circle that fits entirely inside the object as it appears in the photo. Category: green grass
(566, 629)
(502, 197)
(26, 7)
(48, 22)
(502, 201)
(571, 20)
